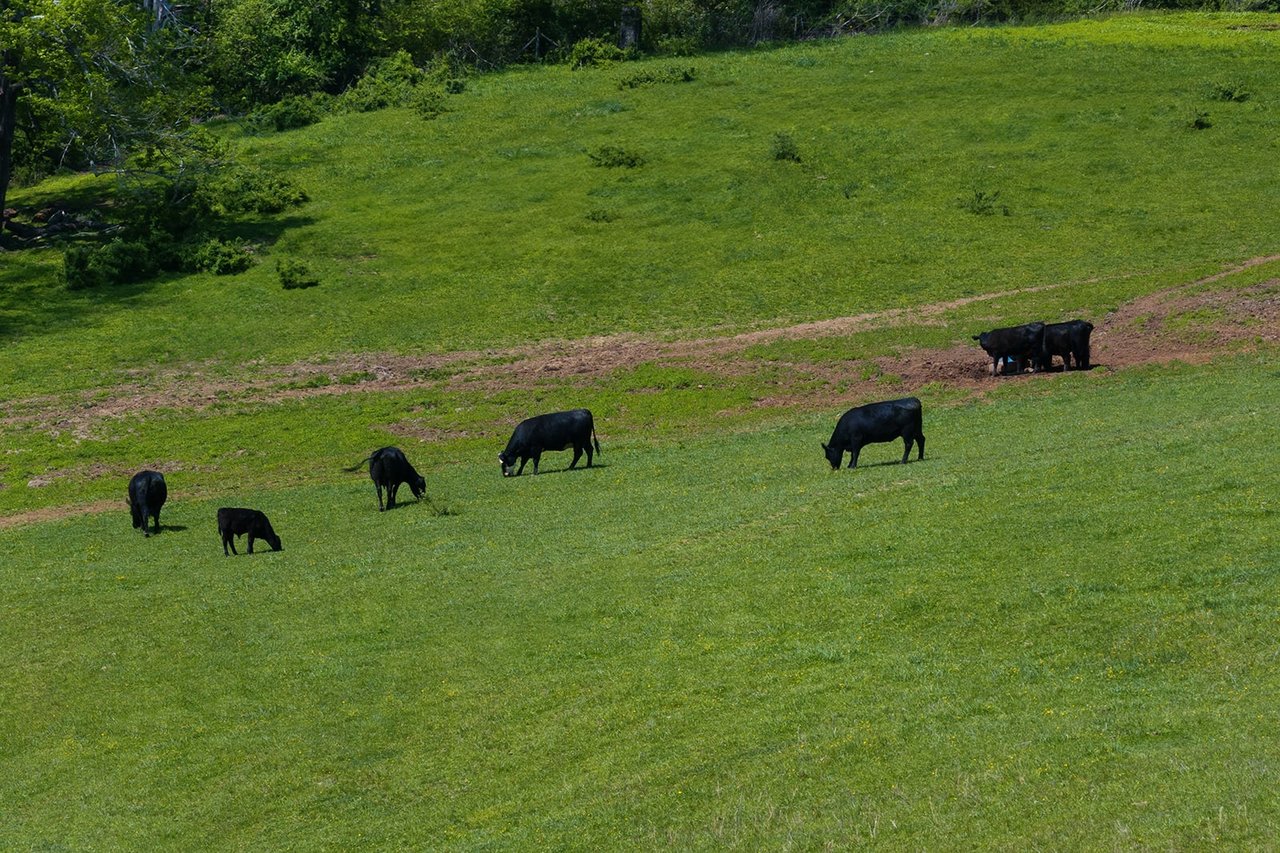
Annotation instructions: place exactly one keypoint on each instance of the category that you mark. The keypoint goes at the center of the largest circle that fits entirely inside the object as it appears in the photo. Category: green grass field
(1057, 631)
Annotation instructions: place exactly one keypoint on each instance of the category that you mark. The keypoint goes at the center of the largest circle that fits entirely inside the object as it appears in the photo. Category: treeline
(264, 50)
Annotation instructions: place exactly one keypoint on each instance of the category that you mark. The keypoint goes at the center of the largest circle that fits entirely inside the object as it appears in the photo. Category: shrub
(592, 51)
(117, 262)
(984, 203)
(295, 275)
(1231, 90)
(677, 46)
(650, 76)
(295, 111)
(455, 86)
(427, 102)
(599, 214)
(613, 157)
(250, 189)
(221, 257)
(1201, 121)
(785, 148)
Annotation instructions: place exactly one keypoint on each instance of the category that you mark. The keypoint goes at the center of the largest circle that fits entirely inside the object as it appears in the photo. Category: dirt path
(196, 387)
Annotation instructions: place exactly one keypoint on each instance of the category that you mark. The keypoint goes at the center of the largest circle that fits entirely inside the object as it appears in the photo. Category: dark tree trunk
(8, 121)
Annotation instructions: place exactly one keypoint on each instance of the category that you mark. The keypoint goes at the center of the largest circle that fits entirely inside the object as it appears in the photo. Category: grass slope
(1058, 630)
(490, 225)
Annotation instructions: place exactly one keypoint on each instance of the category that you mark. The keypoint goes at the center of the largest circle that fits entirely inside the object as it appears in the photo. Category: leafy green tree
(92, 83)
(264, 50)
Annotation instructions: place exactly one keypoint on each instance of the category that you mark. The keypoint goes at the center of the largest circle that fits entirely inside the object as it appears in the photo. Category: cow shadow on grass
(566, 469)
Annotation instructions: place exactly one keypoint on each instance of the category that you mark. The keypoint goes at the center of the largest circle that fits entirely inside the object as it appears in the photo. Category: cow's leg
(520, 470)
(588, 448)
(225, 538)
(577, 454)
(251, 542)
(853, 460)
(537, 457)
(906, 447)
(391, 495)
(377, 487)
(157, 530)
(920, 445)
(232, 539)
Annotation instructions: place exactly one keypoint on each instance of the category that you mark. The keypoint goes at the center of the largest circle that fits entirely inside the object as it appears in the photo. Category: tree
(88, 84)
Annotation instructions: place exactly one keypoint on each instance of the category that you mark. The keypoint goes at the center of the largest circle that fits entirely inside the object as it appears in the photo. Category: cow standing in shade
(1018, 342)
(555, 431)
(1069, 340)
(877, 422)
(388, 468)
(147, 493)
(236, 521)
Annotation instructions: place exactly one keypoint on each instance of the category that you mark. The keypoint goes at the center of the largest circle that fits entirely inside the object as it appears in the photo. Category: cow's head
(982, 340)
(418, 485)
(833, 456)
(274, 541)
(508, 460)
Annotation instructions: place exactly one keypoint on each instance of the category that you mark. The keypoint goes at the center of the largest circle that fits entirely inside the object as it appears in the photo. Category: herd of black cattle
(1012, 350)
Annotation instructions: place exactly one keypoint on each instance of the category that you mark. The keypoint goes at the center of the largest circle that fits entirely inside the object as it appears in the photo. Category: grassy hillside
(1057, 631)
(491, 225)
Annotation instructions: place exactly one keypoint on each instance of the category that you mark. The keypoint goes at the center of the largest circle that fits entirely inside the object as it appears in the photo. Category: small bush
(592, 51)
(1201, 121)
(785, 148)
(613, 157)
(677, 46)
(117, 262)
(599, 214)
(295, 111)
(221, 257)
(455, 86)
(984, 203)
(650, 76)
(249, 189)
(1231, 90)
(427, 102)
(295, 275)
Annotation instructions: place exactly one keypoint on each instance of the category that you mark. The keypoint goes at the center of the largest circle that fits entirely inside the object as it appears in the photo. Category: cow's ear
(977, 337)
(824, 447)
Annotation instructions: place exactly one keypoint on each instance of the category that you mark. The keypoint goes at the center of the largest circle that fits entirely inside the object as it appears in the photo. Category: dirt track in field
(1191, 323)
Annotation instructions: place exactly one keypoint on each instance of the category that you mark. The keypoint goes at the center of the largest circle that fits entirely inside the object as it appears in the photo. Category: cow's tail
(356, 467)
(593, 437)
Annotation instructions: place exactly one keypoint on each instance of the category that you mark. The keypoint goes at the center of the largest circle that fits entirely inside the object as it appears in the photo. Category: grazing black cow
(555, 431)
(147, 493)
(234, 521)
(388, 468)
(1069, 340)
(877, 422)
(1020, 342)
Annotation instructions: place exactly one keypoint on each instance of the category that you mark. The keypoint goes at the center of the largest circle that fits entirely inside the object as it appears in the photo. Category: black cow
(234, 521)
(1068, 340)
(555, 431)
(876, 422)
(1020, 342)
(147, 493)
(388, 468)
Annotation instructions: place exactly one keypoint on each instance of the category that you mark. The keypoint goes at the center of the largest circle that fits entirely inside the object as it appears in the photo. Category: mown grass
(1058, 630)
(490, 226)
